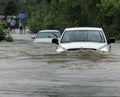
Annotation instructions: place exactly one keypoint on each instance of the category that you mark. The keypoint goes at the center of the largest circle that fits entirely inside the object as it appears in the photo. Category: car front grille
(81, 49)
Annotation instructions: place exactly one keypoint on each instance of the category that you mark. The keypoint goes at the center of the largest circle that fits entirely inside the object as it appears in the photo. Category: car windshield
(48, 35)
(83, 36)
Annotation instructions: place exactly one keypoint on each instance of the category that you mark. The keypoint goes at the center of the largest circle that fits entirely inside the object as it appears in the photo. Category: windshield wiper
(55, 35)
(49, 36)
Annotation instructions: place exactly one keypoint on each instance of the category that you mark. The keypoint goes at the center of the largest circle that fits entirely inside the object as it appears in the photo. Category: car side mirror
(55, 41)
(111, 40)
(33, 37)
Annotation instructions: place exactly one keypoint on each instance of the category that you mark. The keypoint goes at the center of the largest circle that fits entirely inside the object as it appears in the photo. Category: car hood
(83, 45)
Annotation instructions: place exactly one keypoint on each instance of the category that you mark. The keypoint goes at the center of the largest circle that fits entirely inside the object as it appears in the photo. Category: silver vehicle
(47, 35)
(84, 38)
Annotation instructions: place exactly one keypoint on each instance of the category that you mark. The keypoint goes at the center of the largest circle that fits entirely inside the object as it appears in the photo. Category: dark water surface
(30, 69)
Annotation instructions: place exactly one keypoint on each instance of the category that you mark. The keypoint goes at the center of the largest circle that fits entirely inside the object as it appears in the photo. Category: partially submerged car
(83, 38)
(47, 35)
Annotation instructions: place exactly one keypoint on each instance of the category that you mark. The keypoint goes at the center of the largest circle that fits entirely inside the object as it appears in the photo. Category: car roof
(83, 28)
(49, 31)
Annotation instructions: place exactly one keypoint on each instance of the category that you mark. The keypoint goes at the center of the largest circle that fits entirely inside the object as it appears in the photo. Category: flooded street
(30, 69)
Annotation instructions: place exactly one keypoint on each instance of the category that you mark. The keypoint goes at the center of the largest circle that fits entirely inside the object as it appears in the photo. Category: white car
(47, 36)
(83, 38)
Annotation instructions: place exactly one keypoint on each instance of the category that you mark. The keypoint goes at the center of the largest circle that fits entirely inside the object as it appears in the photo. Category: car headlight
(105, 47)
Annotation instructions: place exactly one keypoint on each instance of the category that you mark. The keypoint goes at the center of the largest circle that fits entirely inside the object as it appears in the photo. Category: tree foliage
(11, 8)
(108, 17)
(59, 14)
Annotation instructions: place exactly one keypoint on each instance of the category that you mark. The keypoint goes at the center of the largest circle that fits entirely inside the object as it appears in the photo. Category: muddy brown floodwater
(30, 69)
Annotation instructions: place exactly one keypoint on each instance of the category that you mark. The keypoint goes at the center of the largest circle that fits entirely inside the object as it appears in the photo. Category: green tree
(59, 14)
(108, 17)
(39, 14)
(11, 8)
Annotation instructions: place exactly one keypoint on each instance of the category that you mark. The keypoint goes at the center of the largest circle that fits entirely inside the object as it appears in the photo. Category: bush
(2, 34)
(5, 35)
(8, 37)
